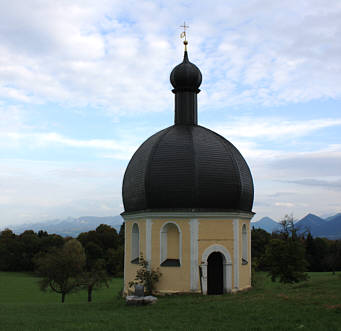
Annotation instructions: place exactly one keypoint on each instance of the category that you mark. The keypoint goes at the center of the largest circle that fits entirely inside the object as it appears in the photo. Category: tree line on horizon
(94, 256)
(17, 252)
(65, 264)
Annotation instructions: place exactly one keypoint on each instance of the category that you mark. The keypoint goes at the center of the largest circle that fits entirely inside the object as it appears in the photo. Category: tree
(288, 229)
(105, 243)
(115, 261)
(333, 258)
(285, 255)
(93, 253)
(107, 236)
(316, 253)
(121, 235)
(95, 277)
(259, 240)
(29, 242)
(10, 251)
(61, 268)
(49, 241)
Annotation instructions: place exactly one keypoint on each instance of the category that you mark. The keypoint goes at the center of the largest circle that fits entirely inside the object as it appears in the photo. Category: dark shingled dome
(187, 167)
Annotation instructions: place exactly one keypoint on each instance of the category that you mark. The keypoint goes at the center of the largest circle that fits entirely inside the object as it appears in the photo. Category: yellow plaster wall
(177, 279)
(173, 279)
(216, 231)
(244, 270)
(213, 232)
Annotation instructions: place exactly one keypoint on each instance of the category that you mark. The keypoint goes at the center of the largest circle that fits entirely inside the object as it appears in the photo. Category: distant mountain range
(319, 227)
(330, 218)
(329, 227)
(70, 226)
(267, 224)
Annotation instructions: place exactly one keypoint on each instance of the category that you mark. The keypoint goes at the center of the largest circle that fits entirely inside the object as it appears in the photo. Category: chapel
(188, 196)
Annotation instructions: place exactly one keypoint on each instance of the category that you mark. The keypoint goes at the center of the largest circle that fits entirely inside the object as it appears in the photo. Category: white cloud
(272, 128)
(33, 140)
(284, 204)
(117, 55)
(329, 184)
(38, 190)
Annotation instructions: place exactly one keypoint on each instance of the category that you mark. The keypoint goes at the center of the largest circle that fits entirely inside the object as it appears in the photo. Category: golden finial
(183, 35)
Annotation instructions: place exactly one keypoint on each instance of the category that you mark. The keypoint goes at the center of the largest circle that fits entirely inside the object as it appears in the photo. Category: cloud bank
(106, 65)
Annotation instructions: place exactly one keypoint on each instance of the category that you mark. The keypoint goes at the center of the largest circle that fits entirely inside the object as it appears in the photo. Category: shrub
(146, 276)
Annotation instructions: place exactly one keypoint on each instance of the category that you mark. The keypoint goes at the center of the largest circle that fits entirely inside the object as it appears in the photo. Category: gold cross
(183, 34)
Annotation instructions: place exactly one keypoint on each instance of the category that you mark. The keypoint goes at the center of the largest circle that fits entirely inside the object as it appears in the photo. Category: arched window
(244, 245)
(170, 245)
(135, 244)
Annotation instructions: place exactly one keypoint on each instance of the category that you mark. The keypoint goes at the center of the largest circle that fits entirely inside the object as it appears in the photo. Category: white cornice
(189, 215)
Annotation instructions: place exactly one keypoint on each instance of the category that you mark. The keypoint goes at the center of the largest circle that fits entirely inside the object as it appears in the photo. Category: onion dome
(187, 167)
(186, 76)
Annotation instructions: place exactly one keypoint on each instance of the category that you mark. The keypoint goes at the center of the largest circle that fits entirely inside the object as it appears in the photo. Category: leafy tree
(333, 259)
(104, 243)
(10, 251)
(30, 244)
(285, 255)
(286, 260)
(259, 240)
(93, 253)
(95, 274)
(42, 234)
(95, 277)
(121, 235)
(316, 253)
(50, 240)
(115, 261)
(107, 236)
(61, 268)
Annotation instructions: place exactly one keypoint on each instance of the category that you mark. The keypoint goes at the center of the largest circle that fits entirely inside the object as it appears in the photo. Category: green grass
(312, 305)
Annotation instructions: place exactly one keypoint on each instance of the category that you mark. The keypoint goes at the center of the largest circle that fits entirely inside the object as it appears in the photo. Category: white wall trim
(245, 242)
(163, 242)
(236, 252)
(197, 215)
(125, 254)
(163, 246)
(148, 240)
(249, 247)
(227, 269)
(135, 250)
(194, 236)
(216, 248)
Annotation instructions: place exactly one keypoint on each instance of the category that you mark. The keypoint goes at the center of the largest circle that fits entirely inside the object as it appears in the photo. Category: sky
(84, 83)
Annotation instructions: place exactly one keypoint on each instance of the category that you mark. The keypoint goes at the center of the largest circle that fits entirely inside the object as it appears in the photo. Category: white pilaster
(125, 254)
(236, 261)
(148, 240)
(194, 231)
(204, 278)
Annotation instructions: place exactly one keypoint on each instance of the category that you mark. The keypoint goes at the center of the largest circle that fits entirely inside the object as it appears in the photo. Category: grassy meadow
(312, 305)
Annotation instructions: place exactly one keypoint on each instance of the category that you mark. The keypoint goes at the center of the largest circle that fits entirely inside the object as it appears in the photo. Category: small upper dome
(186, 76)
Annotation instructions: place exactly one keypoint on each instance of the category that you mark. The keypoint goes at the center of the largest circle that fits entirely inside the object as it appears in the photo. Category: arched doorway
(215, 274)
(225, 263)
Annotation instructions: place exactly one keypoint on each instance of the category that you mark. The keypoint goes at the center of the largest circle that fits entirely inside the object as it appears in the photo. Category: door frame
(227, 267)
